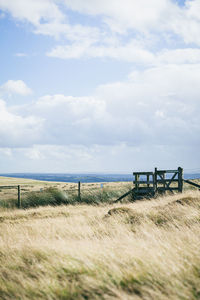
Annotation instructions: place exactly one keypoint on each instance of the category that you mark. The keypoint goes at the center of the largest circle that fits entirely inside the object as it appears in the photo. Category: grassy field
(33, 185)
(35, 192)
(143, 250)
(38, 189)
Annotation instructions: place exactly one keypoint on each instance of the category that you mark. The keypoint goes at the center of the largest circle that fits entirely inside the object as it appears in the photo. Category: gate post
(155, 181)
(180, 179)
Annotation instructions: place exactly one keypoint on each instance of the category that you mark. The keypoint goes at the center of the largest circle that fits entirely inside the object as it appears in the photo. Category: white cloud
(186, 23)
(179, 56)
(157, 106)
(16, 87)
(70, 32)
(71, 120)
(144, 25)
(154, 114)
(140, 15)
(47, 18)
(33, 11)
(172, 90)
(18, 131)
(7, 152)
(145, 16)
(122, 22)
(97, 158)
(129, 14)
(130, 52)
(34, 153)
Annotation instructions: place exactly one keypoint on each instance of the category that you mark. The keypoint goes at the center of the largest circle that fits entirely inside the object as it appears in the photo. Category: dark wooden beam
(123, 196)
(192, 183)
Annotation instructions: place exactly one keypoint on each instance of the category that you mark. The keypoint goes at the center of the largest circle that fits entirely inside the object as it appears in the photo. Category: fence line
(158, 178)
(18, 187)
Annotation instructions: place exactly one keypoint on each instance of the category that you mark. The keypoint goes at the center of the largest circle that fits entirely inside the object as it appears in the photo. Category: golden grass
(142, 250)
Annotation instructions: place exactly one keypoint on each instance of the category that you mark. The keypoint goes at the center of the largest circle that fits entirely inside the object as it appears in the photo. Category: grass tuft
(49, 196)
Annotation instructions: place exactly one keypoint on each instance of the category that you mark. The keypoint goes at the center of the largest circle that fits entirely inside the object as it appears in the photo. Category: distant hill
(85, 178)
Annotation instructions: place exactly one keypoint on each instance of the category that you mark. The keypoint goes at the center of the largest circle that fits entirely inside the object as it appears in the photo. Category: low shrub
(8, 203)
(50, 196)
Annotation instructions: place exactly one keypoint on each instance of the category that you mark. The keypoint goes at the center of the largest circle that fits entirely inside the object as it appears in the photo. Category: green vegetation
(49, 196)
(54, 196)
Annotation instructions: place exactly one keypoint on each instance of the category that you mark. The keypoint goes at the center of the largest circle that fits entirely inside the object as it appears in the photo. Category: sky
(108, 86)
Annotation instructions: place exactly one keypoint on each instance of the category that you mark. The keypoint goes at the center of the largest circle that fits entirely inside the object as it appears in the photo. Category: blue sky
(52, 75)
(99, 86)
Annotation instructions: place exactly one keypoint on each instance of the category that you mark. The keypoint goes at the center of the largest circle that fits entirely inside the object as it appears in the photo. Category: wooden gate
(169, 180)
(160, 181)
(147, 184)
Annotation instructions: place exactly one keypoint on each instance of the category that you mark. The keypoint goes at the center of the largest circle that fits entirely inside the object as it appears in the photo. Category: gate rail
(192, 183)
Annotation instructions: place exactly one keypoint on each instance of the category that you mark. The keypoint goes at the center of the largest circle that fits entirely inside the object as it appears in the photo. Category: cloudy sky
(99, 85)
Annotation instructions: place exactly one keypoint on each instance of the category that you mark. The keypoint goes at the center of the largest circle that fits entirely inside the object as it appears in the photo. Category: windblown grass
(54, 196)
(142, 250)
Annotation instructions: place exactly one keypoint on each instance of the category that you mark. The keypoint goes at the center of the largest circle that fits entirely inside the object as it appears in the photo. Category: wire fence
(33, 195)
(23, 196)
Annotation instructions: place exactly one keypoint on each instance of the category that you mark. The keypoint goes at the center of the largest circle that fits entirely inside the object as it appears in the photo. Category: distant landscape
(85, 178)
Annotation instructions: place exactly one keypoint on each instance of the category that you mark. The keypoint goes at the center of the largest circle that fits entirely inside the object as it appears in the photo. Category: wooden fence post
(155, 184)
(180, 179)
(19, 197)
(79, 190)
(137, 178)
(148, 177)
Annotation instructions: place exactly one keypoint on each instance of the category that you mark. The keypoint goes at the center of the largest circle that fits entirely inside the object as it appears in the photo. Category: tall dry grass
(142, 250)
